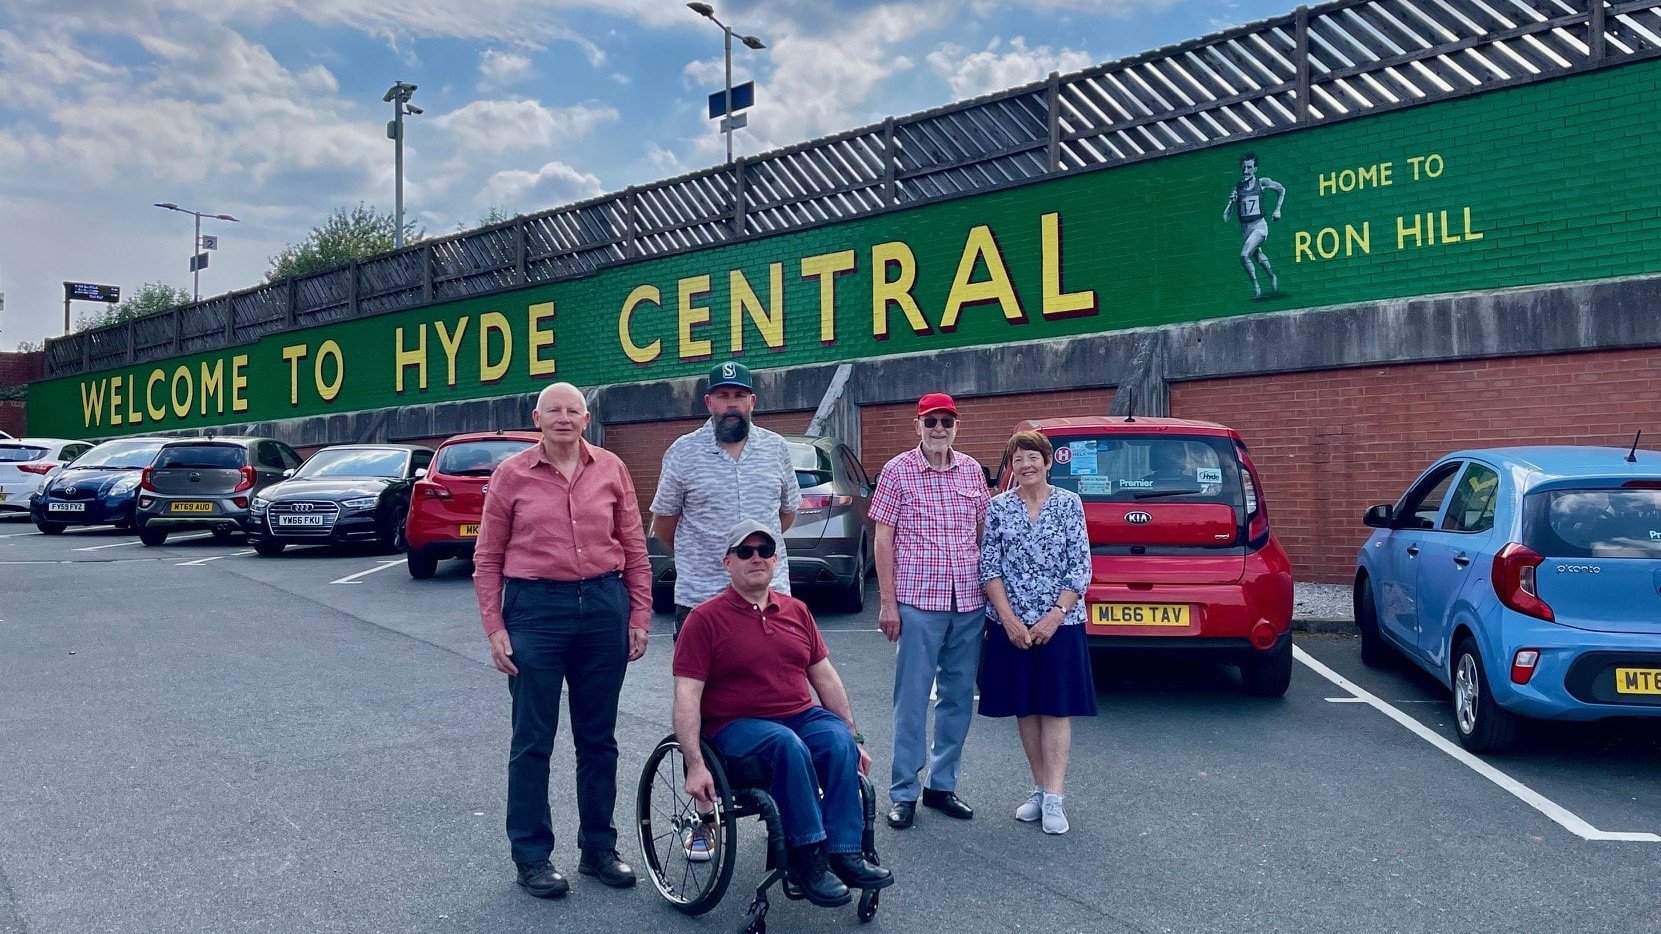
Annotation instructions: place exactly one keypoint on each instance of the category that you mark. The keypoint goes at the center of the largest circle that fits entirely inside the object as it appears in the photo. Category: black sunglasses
(746, 552)
(945, 421)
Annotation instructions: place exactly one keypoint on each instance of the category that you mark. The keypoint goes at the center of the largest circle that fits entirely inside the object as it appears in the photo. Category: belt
(544, 582)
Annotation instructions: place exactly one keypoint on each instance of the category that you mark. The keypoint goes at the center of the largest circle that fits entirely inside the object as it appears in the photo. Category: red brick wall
(988, 421)
(1330, 444)
(19, 368)
(11, 418)
(641, 444)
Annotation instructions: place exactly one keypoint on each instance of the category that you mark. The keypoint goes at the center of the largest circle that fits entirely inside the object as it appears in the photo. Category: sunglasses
(746, 552)
(946, 421)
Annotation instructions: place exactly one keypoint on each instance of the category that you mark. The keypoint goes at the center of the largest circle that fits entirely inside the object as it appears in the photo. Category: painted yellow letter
(451, 343)
(825, 267)
(415, 357)
(897, 291)
(692, 316)
(1057, 303)
(770, 320)
(540, 338)
(494, 322)
(641, 295)
(980, 245)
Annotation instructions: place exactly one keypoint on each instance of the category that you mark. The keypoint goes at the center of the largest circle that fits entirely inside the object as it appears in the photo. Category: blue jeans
(939, 648)
(808, 753)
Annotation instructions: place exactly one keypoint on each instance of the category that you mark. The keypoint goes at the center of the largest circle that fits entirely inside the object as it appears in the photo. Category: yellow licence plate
(1139, 614)
(190, 507)
(469, 531)
(1638, 681)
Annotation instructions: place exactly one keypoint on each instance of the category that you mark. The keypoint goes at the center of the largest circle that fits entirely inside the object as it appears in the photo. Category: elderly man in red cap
(929, 507)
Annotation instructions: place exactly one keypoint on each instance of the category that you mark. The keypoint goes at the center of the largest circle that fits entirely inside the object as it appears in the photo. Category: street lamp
(197, 255)
(708, 12)
(398, 96)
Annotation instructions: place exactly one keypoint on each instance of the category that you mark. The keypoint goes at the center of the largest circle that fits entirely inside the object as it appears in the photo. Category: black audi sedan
(345, 493)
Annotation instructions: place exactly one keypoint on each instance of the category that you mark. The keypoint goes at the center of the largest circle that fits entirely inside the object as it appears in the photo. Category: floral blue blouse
(1036, 560)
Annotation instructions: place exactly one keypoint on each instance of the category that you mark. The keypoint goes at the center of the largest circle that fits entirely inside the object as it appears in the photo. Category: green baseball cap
(730, 374)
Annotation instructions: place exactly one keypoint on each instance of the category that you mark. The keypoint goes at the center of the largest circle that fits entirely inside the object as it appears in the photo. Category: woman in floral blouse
(1034, 565)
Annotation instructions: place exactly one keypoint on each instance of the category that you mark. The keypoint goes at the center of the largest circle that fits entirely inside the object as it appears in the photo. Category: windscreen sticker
(1135, 484)
(1654, 536)
(1081, 458)
(1063, 455)
(1209, 474)
(1095, 486)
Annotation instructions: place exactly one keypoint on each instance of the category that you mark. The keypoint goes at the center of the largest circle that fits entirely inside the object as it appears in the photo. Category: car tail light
(41, 467)
(1523, 664)
(817, 502)
(1514, 581)
(240, 501)
(1642, 484)
(1257, 515)
(147, 479)
(247, 481)
(433, 491)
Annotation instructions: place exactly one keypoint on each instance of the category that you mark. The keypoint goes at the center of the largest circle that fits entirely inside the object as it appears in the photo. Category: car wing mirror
(288, 473)
(420, 472)
(1382, 516)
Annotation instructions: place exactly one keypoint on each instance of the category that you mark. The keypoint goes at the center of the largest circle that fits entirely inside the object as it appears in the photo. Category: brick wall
(641, 444)
(19, 368)
(12, 419)
(1330, 444)
(988, 421)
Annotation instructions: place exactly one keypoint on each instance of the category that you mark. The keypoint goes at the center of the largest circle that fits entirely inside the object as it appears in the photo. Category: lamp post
(196, 252)
(398, 96)
(708, 12)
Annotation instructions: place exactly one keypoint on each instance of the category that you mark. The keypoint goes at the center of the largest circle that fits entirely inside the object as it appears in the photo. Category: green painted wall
(1553, 182)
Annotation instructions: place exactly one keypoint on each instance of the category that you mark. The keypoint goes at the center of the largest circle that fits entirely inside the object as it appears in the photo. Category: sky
(271, 110)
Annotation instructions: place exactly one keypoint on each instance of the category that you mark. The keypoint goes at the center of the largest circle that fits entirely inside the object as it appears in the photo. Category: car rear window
(478, 458)
(1120, 468)
(202, 457)
(120, 454)
(813, 466)
(1606, 523)
(20, 453)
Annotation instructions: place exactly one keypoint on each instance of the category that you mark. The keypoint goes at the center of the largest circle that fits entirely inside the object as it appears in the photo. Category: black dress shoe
(608, 867)
(902, 814)
(807, 871)
(542, 880)
(856, 873)
(947, 803)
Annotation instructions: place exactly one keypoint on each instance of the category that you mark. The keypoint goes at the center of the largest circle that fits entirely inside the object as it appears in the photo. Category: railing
(1320, 64)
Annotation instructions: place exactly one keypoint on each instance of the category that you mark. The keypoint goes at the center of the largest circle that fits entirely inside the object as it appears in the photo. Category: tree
(347, 234)
(149, 299)
(30, 346)
(489, 218)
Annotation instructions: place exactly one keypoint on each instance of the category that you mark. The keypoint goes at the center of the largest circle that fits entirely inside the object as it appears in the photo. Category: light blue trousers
(939, 649)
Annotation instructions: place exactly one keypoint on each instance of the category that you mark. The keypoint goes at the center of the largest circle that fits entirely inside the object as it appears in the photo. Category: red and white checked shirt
(936, 516)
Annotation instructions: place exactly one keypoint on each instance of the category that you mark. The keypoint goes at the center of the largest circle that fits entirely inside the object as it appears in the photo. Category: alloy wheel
(1467, 691)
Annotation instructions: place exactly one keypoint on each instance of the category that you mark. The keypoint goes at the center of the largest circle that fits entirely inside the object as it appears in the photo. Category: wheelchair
(665, 816)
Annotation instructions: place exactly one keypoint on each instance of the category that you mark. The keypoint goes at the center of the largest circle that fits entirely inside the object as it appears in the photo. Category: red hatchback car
(1182, 554)
(446, 505)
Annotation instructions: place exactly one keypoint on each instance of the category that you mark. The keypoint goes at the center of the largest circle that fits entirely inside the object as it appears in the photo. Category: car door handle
(1462, 561)
(1412, 551)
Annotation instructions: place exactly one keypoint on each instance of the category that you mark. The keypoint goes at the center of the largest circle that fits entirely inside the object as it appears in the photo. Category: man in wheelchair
(743, 665)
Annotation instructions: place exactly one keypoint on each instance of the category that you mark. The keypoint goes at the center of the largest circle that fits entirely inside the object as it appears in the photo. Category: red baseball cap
(936, 402)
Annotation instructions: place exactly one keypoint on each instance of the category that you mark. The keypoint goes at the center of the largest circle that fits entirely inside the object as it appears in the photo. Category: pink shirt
(539, 525)
(936, 515)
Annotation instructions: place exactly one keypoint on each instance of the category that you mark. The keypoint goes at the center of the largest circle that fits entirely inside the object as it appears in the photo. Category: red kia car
(447, 504)
(1182, 554)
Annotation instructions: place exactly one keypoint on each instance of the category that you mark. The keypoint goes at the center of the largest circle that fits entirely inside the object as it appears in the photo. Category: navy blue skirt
(1050, 680)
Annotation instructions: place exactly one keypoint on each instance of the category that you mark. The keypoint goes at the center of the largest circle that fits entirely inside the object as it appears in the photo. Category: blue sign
(742, 96)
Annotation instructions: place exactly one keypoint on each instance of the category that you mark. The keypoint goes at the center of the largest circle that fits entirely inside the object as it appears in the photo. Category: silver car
(207, 483)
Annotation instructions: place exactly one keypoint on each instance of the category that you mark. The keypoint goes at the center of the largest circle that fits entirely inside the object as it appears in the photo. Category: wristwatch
(859, 738)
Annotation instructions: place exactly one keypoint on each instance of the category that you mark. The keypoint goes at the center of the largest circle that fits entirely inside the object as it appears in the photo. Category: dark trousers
(575, 633)
(808, 754)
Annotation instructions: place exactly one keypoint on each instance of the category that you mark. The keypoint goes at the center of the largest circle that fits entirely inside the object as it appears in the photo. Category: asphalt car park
(201, 739)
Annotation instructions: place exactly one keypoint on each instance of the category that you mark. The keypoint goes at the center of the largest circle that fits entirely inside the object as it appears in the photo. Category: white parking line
(1559, 814)
(181, 538)
(21, 534)
(201, 561)
(353, 578)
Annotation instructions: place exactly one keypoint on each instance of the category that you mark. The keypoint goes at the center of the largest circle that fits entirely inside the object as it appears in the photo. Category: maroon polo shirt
(753, 660)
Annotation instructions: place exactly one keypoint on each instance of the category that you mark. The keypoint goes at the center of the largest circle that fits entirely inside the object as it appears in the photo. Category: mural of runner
(1246, 200)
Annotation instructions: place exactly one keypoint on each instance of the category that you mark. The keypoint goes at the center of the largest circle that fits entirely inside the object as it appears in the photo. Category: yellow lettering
(1469, 233)
(1403, 232)
(641, 295)
(1446, 236)
(897, 290)
(540, 338)
(416, 357)
(156, 412)
(134, 416)
(115, 401)
(1326, 242)
(1329, 184)
(1384, 174)
(769, 320)
(294, 354)
(980, 246)
(1300, 247)
(181, 405)
(494, 322)
(451, 344)
(1059, 303)
(693, 316)
(213, 384)
(329, 350)
(92, 403)
(239, 382)
(1368, 176)
(826, 267)
(1358, 239)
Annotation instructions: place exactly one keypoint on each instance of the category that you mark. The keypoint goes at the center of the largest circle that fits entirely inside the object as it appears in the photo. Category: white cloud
(501, 125)
(664, 160)
(996, 67)
(499, 69)
(520, 192)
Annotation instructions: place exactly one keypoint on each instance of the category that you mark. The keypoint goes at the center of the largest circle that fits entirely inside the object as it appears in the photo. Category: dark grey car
(207, 483)
(831, 543)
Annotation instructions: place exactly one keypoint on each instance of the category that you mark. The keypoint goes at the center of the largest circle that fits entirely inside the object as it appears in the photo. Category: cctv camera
(412, 109)
(390, 94)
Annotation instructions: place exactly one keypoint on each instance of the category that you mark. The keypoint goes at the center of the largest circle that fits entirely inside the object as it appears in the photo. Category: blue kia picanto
(1528, 580)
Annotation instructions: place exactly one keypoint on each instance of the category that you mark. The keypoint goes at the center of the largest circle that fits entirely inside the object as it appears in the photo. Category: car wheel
(421, 564)
(392, 540)
(852, 597)
(1482, 724)
(51, 528)
(266, 548)
(1268, 674)
(1374, 652)
(152, 536)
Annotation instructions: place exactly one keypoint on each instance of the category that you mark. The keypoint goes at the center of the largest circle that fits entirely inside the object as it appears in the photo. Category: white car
(25, 465)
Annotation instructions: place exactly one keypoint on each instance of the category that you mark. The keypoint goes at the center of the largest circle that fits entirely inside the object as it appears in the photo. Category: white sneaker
(1033, 808)
(1055, 819)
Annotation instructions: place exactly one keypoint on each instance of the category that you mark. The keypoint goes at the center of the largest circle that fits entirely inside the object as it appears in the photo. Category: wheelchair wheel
(665, 818)
(868, 905)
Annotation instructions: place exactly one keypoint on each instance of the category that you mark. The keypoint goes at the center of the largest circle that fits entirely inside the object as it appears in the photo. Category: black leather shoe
(608, 867)
(807, 871)
(947, 803)
(902, 814)
(542, 880)
(856, 873)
